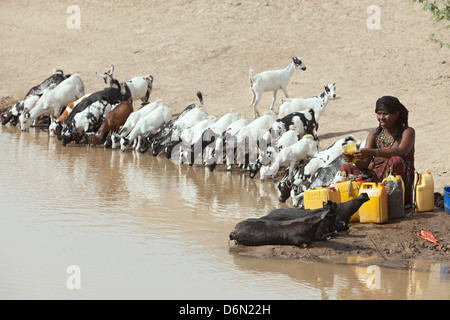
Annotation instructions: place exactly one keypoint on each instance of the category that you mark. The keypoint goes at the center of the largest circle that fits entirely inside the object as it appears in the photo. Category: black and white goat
(86, 123)
(272, 81)
(303, 123)
(192, 118)
(111, 95)
(207, 138)
(320, 171)
(32, 96)
(139, 87)
(317, 103)
(169, 135)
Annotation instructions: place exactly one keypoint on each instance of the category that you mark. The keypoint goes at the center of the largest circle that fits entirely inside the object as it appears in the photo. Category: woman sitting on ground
(389, 149)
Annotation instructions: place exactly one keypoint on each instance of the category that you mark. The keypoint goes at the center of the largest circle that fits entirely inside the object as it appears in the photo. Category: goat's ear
(101, 76)
(327, 89)
(58, 70)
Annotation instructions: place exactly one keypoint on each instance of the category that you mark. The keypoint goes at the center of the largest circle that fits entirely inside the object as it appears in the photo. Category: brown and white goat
(114, 121)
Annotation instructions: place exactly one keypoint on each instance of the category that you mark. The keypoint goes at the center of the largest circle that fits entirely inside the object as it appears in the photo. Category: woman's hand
(364, 153)
(348, 157)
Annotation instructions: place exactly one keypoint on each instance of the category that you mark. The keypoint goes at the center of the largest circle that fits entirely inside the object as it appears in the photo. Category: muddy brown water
(96, 223)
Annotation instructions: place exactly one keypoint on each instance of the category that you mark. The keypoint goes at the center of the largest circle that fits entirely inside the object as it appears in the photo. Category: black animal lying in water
(298, 227)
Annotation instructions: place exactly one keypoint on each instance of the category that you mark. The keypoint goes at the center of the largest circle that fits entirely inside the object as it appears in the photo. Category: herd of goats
(265, 144)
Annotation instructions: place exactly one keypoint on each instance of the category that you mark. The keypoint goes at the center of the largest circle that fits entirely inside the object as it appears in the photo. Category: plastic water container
(315, 197)
(423, 192)
(349, 190)
(376, 209)
(395, 189)
(447, 199)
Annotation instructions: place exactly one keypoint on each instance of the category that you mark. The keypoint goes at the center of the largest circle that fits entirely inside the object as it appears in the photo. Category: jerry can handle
(368, 185)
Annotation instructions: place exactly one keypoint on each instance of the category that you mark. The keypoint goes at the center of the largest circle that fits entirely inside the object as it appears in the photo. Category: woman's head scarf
(392, 105)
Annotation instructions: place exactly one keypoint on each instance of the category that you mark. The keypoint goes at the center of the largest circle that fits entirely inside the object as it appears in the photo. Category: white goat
(33, 96)
(194, 134)
(228, 140)
(148, 124)
(302, 149)
(266, 156)
(190, 119)
(317, 103)
(323, 160)
(133, 119)
(217, 129)
(247, 138)
(52, 100)
(140, 87)
(272, 81)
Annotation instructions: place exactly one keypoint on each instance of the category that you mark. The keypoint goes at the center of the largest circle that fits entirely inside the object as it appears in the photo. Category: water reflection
(144, 227)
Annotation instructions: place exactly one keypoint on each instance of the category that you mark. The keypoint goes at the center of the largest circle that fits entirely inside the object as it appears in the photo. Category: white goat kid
(303, 149)
(317, 103)
(52, 100)
(133, 119)
(272, 81)
(148, 124)
(287, 139)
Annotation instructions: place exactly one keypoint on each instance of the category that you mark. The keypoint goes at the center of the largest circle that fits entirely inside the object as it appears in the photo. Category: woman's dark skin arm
(362, 157)
(401, 147)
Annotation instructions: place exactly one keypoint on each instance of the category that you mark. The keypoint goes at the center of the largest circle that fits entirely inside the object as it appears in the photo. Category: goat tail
(200, 97)
(250, 76)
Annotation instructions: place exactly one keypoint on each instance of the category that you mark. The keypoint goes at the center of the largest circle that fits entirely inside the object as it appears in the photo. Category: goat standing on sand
(317, 103)
(272, 81)
(139, 87)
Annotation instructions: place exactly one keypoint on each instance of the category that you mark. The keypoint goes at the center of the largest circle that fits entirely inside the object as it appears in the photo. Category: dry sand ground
(209, 46)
